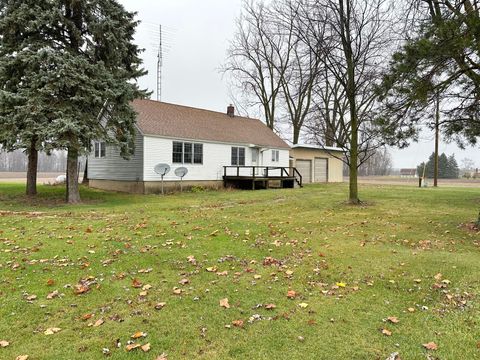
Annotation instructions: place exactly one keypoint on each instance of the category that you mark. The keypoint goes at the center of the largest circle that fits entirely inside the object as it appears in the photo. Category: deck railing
(262, 172)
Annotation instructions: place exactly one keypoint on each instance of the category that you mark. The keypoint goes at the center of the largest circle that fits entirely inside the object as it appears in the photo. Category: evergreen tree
(447, 167)
(85, 66)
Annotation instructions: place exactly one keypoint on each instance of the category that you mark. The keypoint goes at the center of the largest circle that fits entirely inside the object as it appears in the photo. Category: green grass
(380, 251)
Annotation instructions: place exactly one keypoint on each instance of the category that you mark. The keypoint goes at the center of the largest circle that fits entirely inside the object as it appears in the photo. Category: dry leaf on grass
(270, 306)
(430, 346)
(4, 343)
(224, 303)
(393, 319)
(51, 331)
(138, 334)
(98, 323)
(237, 323)
(386, 332)
(22, 357)
(291, 294)
(146, 347)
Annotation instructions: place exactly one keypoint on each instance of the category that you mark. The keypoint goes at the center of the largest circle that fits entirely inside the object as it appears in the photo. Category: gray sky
(197, 35)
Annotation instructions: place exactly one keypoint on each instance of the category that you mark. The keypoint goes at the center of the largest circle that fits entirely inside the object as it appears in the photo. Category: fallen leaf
(257, 277)
(341, 284)
(4, 343)
(86, 317)
(386, 332)
(22, 357)
(211, 269)
(237, 323)
(99, 322)
(51, 331)
(138, 334)
(160, 305)
(50, 282)
(430, 346)
(31, 297)
(146, 347)
(393, 319)
(133, 346)
(162, 357)
(53, 295)
(177, 291)
(291, 294)
(224, 303)
(81, 289)
(410, 309)
(184, 282)
(270, 306)
(136, 283)
(303, 305)
(146, 287)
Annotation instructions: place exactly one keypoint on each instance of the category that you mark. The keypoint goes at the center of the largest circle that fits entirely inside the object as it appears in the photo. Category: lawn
(306, 275)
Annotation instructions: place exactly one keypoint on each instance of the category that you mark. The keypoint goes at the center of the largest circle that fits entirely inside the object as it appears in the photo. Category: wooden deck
(261, 177)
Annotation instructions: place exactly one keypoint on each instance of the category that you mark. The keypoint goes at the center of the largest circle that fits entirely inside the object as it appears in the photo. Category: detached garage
(317, 164)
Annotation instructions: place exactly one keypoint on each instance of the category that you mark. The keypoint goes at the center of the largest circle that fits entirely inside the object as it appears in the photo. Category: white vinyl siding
(215, 157)
(113, 167)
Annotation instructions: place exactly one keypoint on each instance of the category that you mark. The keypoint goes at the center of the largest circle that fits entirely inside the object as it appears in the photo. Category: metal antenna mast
(159, 68)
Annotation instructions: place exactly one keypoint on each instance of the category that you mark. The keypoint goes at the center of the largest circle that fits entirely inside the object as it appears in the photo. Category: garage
(304, 167)
(321, 170)
(318, 164)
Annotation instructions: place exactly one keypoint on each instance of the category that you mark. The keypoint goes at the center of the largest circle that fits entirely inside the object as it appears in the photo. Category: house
(408, 173)
(217, 149)
(317, 164)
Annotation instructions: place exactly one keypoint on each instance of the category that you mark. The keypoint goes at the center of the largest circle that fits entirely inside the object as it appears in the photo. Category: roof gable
(183, 122)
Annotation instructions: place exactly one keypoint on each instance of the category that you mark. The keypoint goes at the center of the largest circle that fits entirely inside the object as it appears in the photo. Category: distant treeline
(16, 161)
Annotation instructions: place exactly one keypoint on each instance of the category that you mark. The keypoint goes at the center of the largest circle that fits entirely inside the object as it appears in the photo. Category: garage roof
(317, 147)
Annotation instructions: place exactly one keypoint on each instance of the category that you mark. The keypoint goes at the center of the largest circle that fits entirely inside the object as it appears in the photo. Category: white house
(205, 142)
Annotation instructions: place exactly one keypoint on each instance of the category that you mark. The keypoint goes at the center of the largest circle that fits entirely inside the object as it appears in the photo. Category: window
(275, 155)
(238, 156)
(100, 149)
(198, 153)
(187, 153)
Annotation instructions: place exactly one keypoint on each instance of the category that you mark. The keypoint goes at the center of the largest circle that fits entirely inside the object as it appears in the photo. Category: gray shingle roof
(183, 122)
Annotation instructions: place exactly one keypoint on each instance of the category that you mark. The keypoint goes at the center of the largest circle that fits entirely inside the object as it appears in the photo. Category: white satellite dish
(181, 172)
(162, 170)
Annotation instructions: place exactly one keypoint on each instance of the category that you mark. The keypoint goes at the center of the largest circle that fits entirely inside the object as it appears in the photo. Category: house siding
(334, 165)
(215, 156)
(114, 167)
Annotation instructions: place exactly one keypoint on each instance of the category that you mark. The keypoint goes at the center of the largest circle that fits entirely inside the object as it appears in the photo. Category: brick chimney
(231, 110)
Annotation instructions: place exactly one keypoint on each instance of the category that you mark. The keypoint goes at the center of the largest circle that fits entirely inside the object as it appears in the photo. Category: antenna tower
(159, 68)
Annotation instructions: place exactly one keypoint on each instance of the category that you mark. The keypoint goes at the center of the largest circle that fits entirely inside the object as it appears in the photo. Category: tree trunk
(73, 193)
(437, 138)
(296, 134)
(353, 196)
(478, 220)
(85, 173)
(32, 154)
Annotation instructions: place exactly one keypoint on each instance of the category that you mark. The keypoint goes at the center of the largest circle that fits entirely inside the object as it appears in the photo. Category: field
(279, 274)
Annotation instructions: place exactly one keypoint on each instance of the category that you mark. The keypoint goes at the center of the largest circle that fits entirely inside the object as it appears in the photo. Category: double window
(100, 149)
(238, 156)
(187, 153)
(275, 155)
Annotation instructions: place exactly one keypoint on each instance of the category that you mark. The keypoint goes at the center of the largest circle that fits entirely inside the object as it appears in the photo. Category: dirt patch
(470, 227)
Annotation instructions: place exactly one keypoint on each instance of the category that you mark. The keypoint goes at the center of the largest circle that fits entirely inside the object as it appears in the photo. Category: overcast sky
(196, 34)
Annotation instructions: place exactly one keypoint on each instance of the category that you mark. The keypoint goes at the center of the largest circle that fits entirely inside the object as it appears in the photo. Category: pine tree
(86, 65)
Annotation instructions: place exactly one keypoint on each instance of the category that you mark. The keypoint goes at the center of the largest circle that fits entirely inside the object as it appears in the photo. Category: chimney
(231, 111)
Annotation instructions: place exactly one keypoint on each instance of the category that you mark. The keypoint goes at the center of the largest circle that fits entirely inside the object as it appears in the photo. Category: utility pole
(437, 139)
(159, 68)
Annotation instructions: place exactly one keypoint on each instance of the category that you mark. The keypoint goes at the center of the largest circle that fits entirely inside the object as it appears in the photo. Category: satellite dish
(181, 172)
(162, 169)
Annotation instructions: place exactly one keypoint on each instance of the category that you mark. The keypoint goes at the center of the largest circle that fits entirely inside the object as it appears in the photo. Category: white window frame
(192, 153)
(100, 149)
(275, 155)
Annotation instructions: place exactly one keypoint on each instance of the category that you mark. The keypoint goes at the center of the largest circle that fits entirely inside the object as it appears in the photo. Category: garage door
(304, 167)
(321, 170)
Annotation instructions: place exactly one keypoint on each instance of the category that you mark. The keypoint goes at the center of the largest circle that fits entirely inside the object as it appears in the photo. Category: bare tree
(258, 57)
(358, 41)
